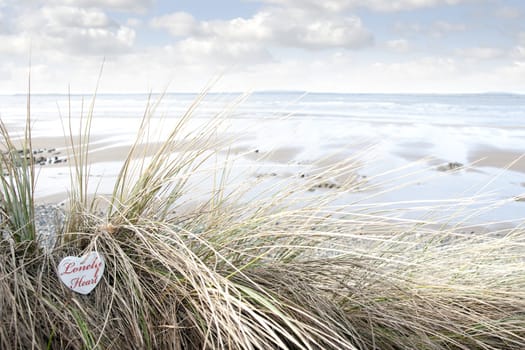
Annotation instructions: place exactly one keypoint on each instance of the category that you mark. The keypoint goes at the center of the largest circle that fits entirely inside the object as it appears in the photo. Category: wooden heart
(81, 274)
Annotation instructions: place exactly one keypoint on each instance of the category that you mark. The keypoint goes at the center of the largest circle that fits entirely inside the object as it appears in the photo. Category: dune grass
(285, 271)
(17, 184)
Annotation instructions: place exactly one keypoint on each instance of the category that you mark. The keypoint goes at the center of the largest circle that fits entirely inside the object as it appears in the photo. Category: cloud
(319, 33)
(510, 76)
(75, 30)
(480, 53)
(14, 45)
(198, 51)
(437, 29)
(405, 5)
(216, 42)
(327, 5)
(378, 5)
(286, 44)
(421, 69)
(119, 5)
(133, 22)
(273, 27)
(398, 45)
(180, 24)
(345, 72)
(444, 26)
(508, 12)
(518, 52)
(75, 17)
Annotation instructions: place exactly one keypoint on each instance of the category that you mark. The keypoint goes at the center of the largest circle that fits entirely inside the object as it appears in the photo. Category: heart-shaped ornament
(81, 274)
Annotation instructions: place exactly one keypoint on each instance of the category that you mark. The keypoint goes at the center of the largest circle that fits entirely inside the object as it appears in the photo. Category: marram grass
(279, 272)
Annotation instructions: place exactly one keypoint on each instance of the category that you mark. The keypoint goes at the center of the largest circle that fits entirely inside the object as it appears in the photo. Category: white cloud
(191, 51)
(379, 5)
(120, 5)
(321, 33)
(3, 26)
(480, 53)
(215, 42)
(286, 28)
(404, 5)
(442, 28)
(75, 17)
(345, 72)
(508, 12)
(14, 45)
(509, 76)
(328, 5)
(256, 28)
(287, 44)
(437, 29)
(75, 30)
(133, 22)
(408, 28)
(445, 26)
(518, 52)
(423, 69)
(398, 45)
(178, 24)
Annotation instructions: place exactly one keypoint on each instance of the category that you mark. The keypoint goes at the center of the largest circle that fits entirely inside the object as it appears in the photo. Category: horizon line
(284, 91)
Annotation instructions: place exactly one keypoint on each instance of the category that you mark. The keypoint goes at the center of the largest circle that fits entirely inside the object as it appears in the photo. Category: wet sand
(478, 157)
(337, 170)
(487, 156)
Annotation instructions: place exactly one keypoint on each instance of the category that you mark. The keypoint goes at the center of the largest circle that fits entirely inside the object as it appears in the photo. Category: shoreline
(104, 150)
(284, 166)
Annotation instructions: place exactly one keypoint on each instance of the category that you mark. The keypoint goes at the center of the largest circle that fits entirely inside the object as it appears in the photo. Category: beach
(389, 149)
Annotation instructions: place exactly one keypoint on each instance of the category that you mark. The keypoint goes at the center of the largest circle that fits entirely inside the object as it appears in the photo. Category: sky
(355, 46)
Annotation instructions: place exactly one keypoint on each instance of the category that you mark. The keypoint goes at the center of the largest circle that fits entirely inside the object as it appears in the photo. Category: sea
(414, 150)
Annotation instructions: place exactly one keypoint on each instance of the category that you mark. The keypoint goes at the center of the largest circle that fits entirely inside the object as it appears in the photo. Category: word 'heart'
(82, 274)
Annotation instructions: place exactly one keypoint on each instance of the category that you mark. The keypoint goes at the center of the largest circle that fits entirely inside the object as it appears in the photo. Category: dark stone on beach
(39, 160)
(450, 166)
(258, 176)
(325, 184)
(256, 151)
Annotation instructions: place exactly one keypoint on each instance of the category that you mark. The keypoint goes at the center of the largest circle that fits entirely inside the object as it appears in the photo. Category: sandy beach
(488, 156)
(383, 152)
(362, 176)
